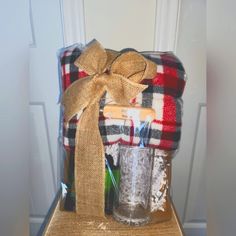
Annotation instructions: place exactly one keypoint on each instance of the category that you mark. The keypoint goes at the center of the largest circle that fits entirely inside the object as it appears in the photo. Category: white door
(145, 25)
(46, 39)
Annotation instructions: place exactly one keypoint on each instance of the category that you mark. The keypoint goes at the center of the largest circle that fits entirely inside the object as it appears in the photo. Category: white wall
(14, 114)
(221, 118)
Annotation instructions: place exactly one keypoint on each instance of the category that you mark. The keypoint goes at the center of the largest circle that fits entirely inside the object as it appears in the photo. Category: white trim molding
(35, 224)
(195, 229)
(166, 25)
(73, 21)
(32, 42)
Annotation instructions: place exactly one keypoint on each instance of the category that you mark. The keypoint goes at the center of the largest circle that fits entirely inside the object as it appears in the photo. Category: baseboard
(195, 229)
(35, 223)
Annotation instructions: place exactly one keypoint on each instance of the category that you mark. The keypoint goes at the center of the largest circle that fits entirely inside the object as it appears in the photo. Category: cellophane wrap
(163, 95)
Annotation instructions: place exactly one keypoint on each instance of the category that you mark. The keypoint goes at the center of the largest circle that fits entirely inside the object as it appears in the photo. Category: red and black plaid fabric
(163, 95)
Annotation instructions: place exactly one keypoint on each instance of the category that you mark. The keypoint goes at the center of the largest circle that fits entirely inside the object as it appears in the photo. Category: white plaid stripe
(67, 68)
(160, 69)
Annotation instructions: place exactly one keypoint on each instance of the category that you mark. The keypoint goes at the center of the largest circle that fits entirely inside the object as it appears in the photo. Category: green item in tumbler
(112, 178)
(108, 181)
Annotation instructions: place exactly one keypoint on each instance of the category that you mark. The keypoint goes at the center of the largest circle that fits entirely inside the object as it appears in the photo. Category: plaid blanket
(163, 95)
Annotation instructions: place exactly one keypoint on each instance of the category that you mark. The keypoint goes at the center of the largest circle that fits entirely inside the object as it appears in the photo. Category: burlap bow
(119, 75)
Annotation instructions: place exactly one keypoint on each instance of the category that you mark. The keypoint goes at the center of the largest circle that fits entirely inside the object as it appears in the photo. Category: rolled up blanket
(163, 95)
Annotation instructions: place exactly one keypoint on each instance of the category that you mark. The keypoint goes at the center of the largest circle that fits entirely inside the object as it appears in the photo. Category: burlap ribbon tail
(119, 75)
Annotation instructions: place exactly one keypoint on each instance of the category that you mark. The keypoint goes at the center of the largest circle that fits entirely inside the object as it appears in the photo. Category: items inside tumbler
(132, 203)
(128, 182)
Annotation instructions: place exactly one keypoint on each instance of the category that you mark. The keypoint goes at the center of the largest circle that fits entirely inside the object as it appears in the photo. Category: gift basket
(120, 129)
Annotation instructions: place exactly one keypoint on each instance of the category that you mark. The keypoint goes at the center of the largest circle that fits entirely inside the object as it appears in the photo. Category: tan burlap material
(65, 223)
(119, 75)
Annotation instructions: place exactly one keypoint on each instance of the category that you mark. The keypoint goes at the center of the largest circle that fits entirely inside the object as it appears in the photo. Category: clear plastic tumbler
(131, 206)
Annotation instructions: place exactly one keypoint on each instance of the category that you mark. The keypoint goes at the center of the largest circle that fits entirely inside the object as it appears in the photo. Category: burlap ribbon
(119, 75)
